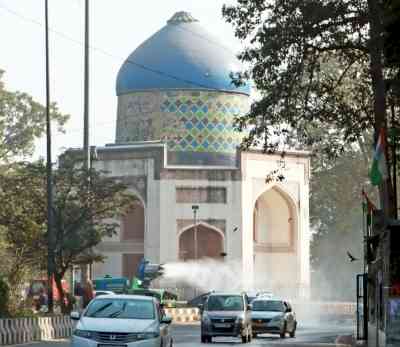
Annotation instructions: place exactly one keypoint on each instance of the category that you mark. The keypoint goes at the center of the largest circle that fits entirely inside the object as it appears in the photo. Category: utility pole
(50, 230)
(86, 147)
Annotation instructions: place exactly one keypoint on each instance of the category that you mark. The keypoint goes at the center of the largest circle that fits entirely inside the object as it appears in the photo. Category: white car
(122, 321)
(103, 292)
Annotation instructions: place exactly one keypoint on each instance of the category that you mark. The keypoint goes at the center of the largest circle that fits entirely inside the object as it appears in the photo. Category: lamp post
(195, 209)
(49, 175)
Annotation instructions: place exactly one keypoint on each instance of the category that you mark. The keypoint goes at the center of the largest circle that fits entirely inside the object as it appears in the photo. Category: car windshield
(121, 308)
(225, 303)
(268, 305)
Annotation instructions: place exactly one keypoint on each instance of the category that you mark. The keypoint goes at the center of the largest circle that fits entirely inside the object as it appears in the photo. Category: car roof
(260, 298)
(226, 294)
(125, 296)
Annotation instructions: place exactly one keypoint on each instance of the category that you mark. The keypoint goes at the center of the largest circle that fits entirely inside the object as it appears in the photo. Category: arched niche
(275, 222)
(210, 242)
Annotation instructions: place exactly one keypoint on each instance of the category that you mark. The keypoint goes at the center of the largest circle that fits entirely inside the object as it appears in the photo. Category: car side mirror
(249, 307)
(166, 320)
(75, 315)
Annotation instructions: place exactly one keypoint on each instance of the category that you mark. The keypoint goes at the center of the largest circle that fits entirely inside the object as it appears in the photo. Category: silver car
(273, 316)
(226, 314)
(122, 321)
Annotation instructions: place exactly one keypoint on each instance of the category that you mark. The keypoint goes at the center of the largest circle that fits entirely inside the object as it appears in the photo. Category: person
(42, 301)
(88, 293)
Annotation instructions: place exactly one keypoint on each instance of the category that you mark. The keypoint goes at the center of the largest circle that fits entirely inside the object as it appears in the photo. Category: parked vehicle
(115, 284)
(122, 320)
(226, 314)
(163, 296)
(273, 316)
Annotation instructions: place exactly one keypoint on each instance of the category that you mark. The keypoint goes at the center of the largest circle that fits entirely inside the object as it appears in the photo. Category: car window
(268, 305)
(121, 308)
(225, 303)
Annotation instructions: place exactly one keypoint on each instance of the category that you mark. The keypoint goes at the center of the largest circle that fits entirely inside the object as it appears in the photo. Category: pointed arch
(210, 242)
(275, 220)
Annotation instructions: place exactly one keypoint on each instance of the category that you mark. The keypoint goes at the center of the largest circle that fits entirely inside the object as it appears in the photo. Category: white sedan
(122, 321)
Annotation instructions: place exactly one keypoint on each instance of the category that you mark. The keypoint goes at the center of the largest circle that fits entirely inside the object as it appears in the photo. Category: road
(189, 336)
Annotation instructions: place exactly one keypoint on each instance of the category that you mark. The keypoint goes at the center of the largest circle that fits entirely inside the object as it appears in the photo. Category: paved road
(189, 336)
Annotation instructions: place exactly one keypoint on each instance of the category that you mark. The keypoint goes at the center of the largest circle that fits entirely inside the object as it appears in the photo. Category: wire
(106, 53)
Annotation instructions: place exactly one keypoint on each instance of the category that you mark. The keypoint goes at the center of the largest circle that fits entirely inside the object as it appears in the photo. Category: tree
(22, 224)
(22, 120)
(337, 221)
(292, 45)
(85, 205)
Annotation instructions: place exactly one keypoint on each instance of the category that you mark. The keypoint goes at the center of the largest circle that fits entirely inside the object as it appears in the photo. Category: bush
(4, 297)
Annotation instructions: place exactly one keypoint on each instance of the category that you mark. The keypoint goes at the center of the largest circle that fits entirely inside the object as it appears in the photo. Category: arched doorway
(209, 243)
(132, 231)
(275, 244)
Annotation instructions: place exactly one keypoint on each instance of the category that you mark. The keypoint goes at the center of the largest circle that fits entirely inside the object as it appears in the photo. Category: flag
(368, 207)
(378, 172)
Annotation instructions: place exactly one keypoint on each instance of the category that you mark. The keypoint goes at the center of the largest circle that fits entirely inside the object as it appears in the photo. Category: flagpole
(394, 162)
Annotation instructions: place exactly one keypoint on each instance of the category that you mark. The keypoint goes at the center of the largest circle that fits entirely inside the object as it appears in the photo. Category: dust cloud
(206, 274)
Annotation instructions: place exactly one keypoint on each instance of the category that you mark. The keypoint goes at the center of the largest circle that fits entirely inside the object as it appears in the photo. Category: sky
(117, 27)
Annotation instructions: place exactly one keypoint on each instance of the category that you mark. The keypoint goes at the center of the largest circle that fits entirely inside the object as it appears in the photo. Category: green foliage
(22, 120)
(4, 294)
(84, 207)
(318, 69)
(311, 63)
(336, 218)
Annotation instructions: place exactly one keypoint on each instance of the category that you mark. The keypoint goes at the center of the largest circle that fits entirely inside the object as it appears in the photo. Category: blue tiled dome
(182, 55)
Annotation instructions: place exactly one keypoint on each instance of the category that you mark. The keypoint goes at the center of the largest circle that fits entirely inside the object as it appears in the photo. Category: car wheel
(283, 332)
(204, 339)
(171, 344)
(209, 339)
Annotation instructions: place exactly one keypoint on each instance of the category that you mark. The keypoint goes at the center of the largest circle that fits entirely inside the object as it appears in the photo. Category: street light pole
(195, 209)
(86, 148)
(49, 176)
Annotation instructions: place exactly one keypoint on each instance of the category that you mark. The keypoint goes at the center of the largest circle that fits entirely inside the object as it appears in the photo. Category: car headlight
(148, 335)
(83, 333)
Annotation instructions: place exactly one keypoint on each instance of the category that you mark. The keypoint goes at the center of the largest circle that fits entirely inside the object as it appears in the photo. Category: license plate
(222, 325)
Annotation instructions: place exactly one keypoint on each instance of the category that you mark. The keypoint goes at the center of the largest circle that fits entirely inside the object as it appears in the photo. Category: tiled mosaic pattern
(192, 121)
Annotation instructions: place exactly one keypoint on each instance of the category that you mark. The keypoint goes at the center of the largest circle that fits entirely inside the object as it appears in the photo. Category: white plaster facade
(277, 260)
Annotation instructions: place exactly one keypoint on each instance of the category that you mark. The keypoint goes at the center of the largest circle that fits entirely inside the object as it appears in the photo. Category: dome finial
(182, 17)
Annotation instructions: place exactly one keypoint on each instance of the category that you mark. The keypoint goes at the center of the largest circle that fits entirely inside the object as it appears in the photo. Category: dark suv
(226, 314)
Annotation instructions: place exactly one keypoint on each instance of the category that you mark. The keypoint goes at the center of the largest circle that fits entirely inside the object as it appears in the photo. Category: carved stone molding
(220, 224)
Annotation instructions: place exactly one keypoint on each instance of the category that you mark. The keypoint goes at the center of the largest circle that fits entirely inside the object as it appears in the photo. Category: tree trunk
(58, 279)
(378, 86)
